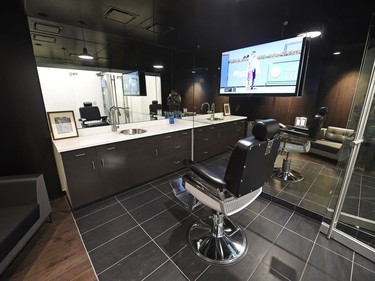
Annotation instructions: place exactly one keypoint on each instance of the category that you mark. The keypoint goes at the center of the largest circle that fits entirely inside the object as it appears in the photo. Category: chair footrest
(187, 200)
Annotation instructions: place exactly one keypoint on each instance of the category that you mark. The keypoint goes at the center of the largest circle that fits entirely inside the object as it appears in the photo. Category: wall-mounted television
(275, 68)
(133, 83)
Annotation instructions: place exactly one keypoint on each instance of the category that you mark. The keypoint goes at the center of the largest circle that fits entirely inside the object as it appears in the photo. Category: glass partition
(352, 203)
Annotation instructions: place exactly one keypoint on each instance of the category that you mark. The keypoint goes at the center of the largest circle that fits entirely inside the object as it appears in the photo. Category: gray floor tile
(136, 266)
(141, 198)
(118, 248)
(328, 264)
(289, 254)
(133, 191)
(289, 197)
(364, 262)
(266, 273)
(167, 271)
(258, 205)
(108, 231)
(361, 274)
(236, 272)
(189, 263)
(176, 238)
(277, 213)
(152, 208)
(165, 220)
(303, 226)
(104, 215)
(94, 208)
(265, 228)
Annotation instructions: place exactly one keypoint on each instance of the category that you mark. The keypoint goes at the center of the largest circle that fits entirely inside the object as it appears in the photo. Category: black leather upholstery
(92, 113)
(154, 107)
(251, 162)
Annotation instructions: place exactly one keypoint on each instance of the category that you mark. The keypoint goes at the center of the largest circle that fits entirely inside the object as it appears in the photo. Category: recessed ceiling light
(337, 53)
(158, 66)
(310, 34)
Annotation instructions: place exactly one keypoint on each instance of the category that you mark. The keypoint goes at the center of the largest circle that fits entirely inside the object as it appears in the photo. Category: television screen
(274, 68)
(133, 83)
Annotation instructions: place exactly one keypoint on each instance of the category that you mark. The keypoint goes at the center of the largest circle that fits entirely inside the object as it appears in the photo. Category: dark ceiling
(142, 30)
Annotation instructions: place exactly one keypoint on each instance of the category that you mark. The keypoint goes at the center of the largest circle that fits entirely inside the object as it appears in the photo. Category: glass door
(353, 217)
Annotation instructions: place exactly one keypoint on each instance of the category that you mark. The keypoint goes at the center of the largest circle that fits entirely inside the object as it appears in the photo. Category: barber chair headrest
(323, 111)
(265, 129)
(86, 104)
(154, 102)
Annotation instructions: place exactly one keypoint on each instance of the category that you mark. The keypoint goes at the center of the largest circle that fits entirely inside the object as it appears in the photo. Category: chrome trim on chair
(227, 246)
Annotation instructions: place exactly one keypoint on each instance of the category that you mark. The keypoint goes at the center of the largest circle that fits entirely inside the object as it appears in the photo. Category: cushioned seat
(15, 222)
(24, 206)
(216, 238)
(330, 142)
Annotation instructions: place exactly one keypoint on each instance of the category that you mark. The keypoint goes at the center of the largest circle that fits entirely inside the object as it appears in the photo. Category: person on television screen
(252, 69)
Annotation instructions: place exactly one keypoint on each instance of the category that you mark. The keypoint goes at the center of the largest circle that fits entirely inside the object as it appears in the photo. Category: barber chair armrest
(299, 129)
(208, 176)
(295, 133)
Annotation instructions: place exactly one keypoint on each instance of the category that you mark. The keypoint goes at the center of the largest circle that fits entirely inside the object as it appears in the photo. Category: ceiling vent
(47, 28)
(118, 15)
(43, 38)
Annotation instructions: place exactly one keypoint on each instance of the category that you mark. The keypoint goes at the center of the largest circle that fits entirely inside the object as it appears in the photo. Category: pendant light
(85, 54)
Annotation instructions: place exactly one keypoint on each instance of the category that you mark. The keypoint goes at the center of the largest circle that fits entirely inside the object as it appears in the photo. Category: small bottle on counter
(171, 118)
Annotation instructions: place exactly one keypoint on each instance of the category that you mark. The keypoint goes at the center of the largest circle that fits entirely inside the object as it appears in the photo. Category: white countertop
(89, 137)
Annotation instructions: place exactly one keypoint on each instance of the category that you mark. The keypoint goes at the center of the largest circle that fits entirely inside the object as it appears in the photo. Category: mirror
(67, 81)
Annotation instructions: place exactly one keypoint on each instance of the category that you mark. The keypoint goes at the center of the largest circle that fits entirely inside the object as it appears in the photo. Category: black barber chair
(216, 238)
(297, 139)
(154, 106)
(90, 116)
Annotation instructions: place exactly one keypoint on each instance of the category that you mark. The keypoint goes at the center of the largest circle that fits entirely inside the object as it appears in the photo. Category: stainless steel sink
(215, 119)
(132, 131)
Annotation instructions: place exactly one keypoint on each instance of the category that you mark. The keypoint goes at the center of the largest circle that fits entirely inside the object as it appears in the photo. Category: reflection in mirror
(68, 89)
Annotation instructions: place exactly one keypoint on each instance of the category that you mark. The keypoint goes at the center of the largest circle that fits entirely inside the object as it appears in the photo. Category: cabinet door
(82, 175)
(230, 133)
(205, 143)
(141, 164)
(111, 160)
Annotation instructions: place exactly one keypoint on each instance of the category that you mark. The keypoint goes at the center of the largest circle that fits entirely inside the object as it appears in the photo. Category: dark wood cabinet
(156, 156)
(82, 176)
(94, 173)
(215, 139)
(112, 163)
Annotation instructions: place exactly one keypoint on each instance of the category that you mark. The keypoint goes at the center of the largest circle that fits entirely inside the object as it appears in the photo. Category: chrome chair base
(225, 246)
(291, 175)
(285, 173)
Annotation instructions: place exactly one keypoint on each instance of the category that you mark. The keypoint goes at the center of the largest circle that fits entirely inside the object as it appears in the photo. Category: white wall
(67, 89)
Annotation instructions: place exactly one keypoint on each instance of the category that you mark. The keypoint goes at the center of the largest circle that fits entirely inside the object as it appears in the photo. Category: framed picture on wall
(62, 124)
(226, 109)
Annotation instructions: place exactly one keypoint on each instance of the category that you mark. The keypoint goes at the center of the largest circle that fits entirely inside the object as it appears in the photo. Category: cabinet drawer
(74, 155)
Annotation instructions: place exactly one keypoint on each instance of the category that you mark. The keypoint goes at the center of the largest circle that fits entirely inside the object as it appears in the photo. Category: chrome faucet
(208, 106)
(213, 111)
(114, 113)
(113, 118)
